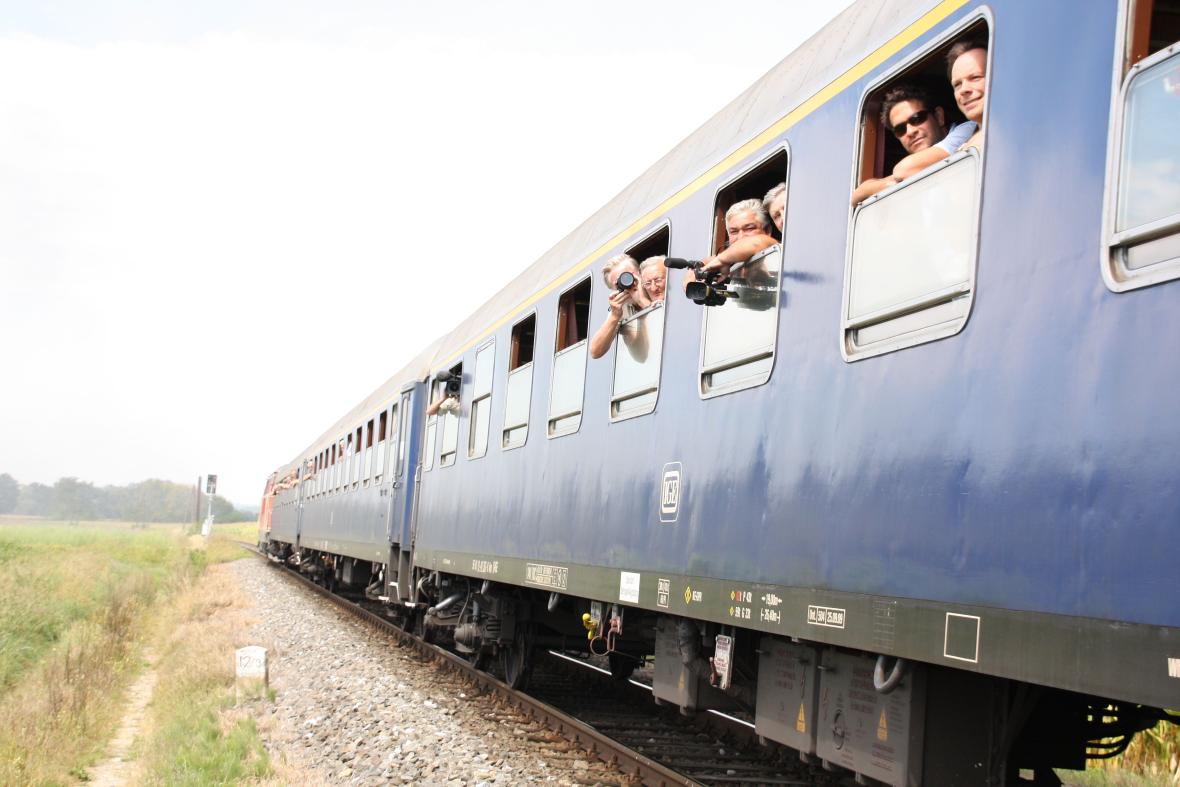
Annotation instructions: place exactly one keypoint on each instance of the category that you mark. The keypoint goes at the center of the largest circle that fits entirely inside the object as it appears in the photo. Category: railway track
(616, 721)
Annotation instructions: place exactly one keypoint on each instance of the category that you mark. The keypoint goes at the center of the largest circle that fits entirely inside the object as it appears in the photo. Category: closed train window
(635, 382)
(909, 275)
(357, 455)
(518, 399)
(450, 429)
(569, 360)
(481, 401)
(368, 444)
(403, 431)
(1142, 225)
(741, 320)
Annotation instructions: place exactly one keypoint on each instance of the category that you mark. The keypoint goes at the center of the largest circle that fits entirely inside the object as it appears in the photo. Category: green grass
(78, 601)
(203, 749)
(201, 730)
(53, 577)
(238, 531)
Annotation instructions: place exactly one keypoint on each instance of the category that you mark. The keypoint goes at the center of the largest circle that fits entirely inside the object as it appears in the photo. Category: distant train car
(910, 497)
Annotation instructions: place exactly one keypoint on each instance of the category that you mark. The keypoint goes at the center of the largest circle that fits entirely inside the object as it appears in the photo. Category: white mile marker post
(251, 666)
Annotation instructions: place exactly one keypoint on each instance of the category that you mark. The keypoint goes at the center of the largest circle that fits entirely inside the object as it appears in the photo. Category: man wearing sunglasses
(919, 125)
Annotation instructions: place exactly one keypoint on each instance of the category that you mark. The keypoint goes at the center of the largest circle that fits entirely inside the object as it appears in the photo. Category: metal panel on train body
(674, 682)
(788, 677)
(868, 732)
(1014, 478)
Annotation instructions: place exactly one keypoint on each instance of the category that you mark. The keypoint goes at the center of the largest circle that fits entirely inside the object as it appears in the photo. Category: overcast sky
(217, 215)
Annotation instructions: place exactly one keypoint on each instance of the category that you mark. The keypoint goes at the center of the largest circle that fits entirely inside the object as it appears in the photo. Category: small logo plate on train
(670, 492)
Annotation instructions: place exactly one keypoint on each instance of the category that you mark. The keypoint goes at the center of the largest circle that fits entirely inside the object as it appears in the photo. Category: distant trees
(146, 501)
(9, 493)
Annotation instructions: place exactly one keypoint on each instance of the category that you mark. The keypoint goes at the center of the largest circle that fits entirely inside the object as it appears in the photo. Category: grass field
(80, 603)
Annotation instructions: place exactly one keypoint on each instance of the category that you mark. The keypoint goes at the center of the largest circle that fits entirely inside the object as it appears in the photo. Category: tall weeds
(75, 610)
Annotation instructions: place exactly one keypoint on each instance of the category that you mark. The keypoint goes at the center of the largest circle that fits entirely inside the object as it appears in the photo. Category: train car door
(401, 498)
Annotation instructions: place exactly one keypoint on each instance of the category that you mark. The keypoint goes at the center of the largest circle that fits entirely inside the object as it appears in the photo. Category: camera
(706, 290)
(450, 380)
(625, 281)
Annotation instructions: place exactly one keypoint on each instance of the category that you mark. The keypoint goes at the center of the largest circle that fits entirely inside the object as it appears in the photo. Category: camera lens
(625, 281)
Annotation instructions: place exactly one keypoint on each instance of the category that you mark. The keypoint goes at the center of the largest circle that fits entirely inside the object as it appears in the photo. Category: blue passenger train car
(910, 498)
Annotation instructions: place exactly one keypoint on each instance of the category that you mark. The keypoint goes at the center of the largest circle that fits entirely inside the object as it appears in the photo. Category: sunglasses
(916, 119)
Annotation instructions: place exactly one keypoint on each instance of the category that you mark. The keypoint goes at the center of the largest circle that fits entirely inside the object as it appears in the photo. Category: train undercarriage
(884, 720)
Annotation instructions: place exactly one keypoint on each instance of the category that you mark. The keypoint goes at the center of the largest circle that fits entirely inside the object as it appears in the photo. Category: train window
(481, 400)
(368, 451)
(331, 452)
(382, 427)
(569, 360)
(340, 464)
(358, 456)
(635, 383)
(450, 429)
(520, 383)
(402, 431)
(1142, 224)
(323, 480)
(431, 428)
(909, 275)
(738, 336)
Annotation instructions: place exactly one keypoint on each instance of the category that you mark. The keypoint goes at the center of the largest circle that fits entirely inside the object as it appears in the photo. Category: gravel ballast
(353, 707)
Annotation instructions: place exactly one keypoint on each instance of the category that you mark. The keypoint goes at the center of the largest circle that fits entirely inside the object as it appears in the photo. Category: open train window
(1142, 216)
(432, 390)
(909, 275)
(341, 465)
(518, 400)
(639, 345)
(481, 400)
(738, 335)
(569, 360)
(450, 428)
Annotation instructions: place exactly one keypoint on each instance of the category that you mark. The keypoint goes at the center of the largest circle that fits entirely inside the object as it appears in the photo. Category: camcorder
(625, 281)
(706, 290)
(450, 380)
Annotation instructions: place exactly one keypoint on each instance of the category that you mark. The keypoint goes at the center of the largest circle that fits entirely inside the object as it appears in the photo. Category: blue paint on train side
(1027, 463)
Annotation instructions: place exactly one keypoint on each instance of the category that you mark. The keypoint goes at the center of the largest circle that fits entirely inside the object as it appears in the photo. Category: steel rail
(628, 761)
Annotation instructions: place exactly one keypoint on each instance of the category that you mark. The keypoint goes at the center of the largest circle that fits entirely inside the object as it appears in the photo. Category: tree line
(146, 501)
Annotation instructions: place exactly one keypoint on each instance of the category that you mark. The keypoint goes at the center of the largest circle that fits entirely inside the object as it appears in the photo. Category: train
(909, 501)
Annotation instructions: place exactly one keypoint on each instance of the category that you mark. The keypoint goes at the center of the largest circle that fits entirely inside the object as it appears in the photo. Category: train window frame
(481, 397)
(571, 420)
(514, 373)
(1133, 59)
(381, 438)
(708, 386)
(358, 453)
(636, 403)
(367, 444)
(430, 429)
(938, 314)
(403, 432)
(448, 454)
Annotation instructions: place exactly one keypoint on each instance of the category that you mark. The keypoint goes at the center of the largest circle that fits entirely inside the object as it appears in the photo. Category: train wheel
(622, 665)
(517, 658)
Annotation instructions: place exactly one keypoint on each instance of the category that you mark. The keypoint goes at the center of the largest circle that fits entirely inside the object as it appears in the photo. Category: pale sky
(218, 215)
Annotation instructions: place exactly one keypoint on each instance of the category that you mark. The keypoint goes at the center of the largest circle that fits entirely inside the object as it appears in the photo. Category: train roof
(846, 40)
